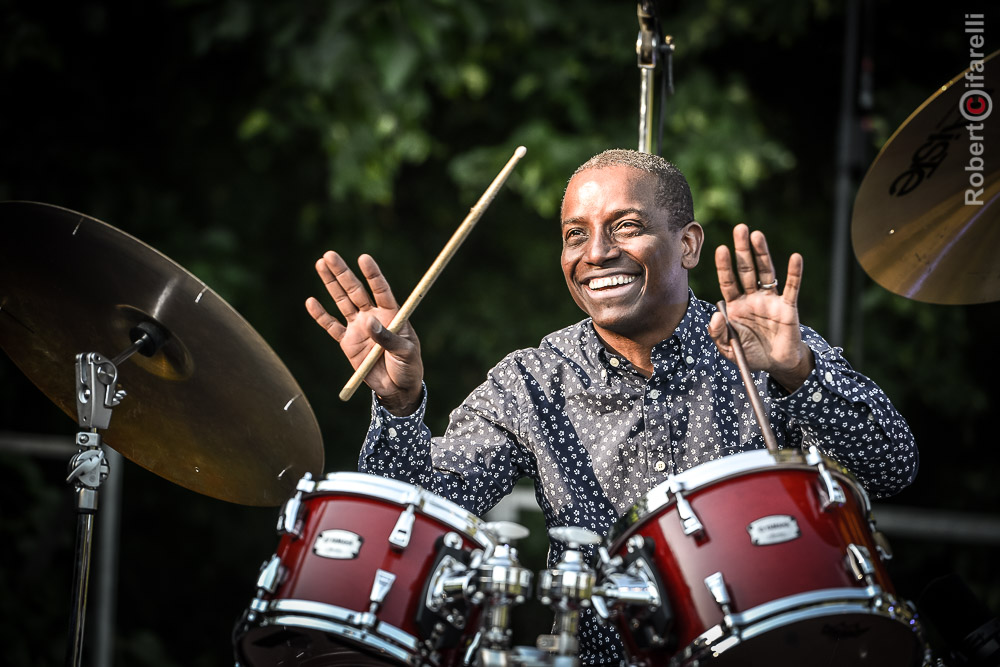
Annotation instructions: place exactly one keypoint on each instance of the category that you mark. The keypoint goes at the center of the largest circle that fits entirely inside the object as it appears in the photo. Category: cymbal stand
(649, 46)
(97, 394)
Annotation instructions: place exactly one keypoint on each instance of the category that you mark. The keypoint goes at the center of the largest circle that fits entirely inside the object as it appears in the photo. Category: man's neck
(638, 348)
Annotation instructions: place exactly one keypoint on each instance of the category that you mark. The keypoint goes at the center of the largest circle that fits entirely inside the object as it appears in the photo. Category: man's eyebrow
(620, 213)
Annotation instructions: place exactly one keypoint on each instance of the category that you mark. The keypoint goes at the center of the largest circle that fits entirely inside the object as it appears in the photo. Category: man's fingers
(727, 279)
(325, 319)
(352, 295)
(745, 267)
(762, 259)
(331, 269)
(377, 283)
(793, 280)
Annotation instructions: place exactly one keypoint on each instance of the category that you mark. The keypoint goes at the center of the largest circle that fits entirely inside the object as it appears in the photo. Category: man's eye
(627, 226)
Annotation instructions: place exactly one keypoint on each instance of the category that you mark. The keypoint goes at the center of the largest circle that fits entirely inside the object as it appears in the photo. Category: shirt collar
(690, 339)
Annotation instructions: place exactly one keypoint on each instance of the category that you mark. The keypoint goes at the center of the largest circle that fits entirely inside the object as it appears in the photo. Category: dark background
(242, 139)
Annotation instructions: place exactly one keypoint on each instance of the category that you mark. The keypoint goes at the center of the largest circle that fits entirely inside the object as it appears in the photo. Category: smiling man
(644, 387)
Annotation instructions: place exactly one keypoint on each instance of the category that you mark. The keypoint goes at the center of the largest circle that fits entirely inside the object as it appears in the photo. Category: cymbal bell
(214, 410)
(926, 224)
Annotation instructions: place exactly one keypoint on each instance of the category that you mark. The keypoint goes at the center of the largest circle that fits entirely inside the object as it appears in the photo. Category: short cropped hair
(672, 191)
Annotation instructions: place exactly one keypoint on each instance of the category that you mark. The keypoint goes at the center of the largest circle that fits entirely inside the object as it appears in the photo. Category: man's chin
(619, 326)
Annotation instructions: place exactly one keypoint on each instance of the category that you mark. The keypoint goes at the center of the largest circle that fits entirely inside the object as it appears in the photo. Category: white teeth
(598, 283)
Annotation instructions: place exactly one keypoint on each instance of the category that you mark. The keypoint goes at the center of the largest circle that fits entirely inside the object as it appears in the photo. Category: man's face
(624, 264)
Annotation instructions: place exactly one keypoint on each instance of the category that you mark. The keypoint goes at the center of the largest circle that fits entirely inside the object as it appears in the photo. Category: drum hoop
(736, 465)
(367, 639)
(718, 639)
(403, 494)
(330, 612)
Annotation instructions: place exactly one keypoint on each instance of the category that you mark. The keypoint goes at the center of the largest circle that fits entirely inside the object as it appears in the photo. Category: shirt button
(660, 465)
(829, 377)
(392, 432)
(614, 362)
(817, 397)
(689, 359)
(654, 394)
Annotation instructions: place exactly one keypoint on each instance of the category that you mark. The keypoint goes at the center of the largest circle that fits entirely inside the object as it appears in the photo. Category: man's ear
(692, 236)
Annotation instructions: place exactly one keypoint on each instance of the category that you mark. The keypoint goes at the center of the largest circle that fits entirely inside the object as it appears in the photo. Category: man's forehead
(618, 186)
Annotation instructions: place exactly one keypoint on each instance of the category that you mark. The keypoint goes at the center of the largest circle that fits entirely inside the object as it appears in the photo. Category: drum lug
(380, 588)
(716, 585)
(690, 522)
(289, 519)
(401, 533)
(881, 542)
(271, 574)
(831, 493)
(859, 563)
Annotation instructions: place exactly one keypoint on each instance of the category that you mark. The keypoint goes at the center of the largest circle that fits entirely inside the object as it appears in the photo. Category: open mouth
(610, 281)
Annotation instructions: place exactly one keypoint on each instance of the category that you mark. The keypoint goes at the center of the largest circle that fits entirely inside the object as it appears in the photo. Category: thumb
(389, 341)
(717, 329)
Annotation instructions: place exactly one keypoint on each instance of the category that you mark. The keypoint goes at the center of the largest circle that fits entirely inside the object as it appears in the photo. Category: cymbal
(214, 410)
(912, 229)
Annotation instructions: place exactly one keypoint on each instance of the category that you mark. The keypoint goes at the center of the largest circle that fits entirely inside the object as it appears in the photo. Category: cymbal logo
(929, 155)
(975, 106)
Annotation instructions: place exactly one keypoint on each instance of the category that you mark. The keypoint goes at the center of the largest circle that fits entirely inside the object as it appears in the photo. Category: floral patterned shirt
(595, 435)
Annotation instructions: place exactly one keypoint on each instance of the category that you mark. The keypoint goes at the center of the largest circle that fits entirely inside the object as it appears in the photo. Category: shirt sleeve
(474, 464)
(850, 419)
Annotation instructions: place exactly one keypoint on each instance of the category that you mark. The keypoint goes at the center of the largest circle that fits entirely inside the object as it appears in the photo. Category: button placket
(655, 442)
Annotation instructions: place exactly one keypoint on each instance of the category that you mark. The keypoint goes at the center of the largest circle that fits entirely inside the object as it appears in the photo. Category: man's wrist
(794, 378)
(402, 404)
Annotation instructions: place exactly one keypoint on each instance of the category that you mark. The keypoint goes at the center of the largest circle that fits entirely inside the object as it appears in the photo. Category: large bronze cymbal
(913, 231)
(214, 410)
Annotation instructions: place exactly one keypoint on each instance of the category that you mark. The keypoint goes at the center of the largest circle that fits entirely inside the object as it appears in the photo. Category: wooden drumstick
(755, 401)
(418, 293)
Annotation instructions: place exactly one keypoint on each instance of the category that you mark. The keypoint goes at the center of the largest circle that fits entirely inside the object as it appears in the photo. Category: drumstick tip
(519, 153)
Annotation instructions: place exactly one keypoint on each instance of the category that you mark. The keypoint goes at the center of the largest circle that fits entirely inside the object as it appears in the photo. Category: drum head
(842, 640)
(660, 498)
(399, 493)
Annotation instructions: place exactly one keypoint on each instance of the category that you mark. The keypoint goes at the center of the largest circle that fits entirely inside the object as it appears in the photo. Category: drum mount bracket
(632, 587)
(441, 617)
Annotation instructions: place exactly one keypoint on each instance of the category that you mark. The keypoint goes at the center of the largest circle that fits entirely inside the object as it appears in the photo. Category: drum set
(768, 557)
(755, 559)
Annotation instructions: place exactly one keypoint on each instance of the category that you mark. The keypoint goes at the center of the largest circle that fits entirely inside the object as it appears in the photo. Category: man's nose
(601, 247)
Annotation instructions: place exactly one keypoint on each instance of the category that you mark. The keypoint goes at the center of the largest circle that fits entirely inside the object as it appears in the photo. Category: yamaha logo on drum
(338, 544)
(773, 529)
